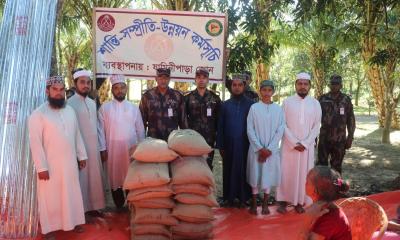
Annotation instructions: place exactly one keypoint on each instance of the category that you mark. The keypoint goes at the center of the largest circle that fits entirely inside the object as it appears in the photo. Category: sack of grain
(148, 195)
(192, 188)
(163, 202)
(154, 216)
(188, 142)
(150, 237)
(203, 237)
(192, 230)
(150, 192)
(142, 175)
(188, 198)
(191, 170)
(151, 229)
(154, 150)
(193, 213)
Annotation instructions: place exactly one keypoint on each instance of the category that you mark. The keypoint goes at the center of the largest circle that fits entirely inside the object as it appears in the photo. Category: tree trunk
(54, 69)
(318, 58)
(262, 72)
(360, 81)
(371, 18)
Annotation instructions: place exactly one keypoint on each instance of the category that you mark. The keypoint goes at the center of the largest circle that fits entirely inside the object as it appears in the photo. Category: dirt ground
(369, 166)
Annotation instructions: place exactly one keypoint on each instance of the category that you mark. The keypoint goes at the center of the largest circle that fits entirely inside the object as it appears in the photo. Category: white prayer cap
(82, 73)
(303, 75)
(117, 78)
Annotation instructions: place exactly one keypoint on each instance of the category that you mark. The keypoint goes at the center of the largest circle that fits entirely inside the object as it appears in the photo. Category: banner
(136, 42)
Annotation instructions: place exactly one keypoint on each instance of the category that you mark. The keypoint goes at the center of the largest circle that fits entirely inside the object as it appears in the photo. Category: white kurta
(265, 126)
(91, 176)
(56, 144)
(303, 119)
(120, 127)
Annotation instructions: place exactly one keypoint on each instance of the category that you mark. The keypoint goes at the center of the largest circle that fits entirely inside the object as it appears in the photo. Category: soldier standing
(249, 92)
(162, 108)
(202, 108)
(337, 115)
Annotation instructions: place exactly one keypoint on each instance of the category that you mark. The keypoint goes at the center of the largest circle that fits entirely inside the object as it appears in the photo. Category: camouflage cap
(163, 71)
(202, 71)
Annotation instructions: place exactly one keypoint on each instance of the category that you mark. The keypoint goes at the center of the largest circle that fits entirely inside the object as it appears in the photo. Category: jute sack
(154, 150)
(154, 216)
(188, 142)
(188, 198)
(200, 237)
(142, 175)
(189, 170)
(150, 237)
(151, 229)
(192, 188)
(148, 195)
(163, 202)
(197, 230)
(162, 188)
(193, 213)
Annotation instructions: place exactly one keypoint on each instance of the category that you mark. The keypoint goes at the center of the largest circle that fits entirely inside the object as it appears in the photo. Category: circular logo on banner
(214, 27)
(158, 47)
(106, 22)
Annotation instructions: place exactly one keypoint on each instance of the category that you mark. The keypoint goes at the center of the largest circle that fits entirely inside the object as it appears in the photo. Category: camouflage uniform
(199, 118)
(337, 114)
(250, 93)
(156, 112)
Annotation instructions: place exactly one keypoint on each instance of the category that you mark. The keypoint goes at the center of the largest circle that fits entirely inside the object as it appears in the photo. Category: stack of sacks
(193, 184)
(150, 193)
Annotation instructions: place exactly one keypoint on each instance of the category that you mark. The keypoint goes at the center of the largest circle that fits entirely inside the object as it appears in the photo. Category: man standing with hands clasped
(303, 119)
(265, 126)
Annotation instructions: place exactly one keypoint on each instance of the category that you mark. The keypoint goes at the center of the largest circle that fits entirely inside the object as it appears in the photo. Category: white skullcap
(303, 75)
(117, 79)
(82, 73)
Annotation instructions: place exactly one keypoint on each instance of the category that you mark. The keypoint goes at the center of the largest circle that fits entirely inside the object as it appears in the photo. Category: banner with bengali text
(136, 42)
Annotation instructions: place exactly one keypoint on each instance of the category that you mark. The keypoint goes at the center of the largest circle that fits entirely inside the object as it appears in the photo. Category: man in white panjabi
(303, 120)
(120, 130)
(265, 126)
(58, 153)
(86, 112)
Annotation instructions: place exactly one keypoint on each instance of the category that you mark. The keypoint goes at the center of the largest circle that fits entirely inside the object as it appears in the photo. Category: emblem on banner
(106, 22)
(158, 47)
(214, 27)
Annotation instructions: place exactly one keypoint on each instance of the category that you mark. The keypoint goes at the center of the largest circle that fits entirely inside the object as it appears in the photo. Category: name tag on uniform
(209, 112)
(170, 112)
(342, 111)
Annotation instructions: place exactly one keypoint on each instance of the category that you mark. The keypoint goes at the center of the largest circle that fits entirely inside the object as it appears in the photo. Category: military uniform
(202, 114)
(162, 113)
(337, 115)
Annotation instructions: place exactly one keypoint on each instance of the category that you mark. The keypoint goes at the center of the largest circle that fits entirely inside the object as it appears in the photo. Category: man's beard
(302, 95)
(83, 94)
(56, 102)
(119, 98)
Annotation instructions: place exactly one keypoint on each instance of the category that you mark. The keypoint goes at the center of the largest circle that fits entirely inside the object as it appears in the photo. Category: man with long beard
(303, 119)
(58, 151)
(233, 143)
(120, 130)
(85, 109)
